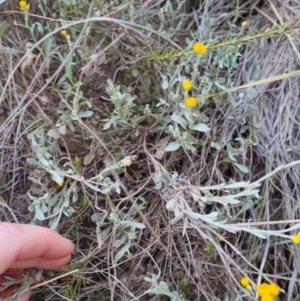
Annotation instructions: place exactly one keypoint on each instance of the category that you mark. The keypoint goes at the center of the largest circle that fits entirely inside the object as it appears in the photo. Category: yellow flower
(190, 102)
(24, 5)
(274, 289)
(60, 184)
(244, 23)
(187, 85)
(267, 298)
(296, 238)
(64, 32)
(263, 289)
(245, 281)
(200, 48)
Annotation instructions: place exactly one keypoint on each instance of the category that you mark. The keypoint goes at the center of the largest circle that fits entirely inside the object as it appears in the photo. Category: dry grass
(205, 264)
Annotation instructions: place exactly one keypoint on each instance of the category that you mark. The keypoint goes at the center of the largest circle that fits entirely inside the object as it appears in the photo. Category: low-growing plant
(157, 174)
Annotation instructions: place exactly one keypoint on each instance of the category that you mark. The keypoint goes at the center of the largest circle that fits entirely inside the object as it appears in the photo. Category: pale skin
(26, 246)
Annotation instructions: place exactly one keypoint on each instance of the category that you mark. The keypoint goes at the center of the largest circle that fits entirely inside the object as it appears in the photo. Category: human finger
(8, 292)
(11, 274)
(25, 242)
(24, 297)
(11, 290)
(41, 263)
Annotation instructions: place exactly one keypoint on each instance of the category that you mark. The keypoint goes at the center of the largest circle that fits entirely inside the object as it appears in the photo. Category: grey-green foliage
(161, 288)
(69, 115)
(126, 229)
(184, 122)
(182, 125)
(123, 106)
(182, 129)
(52, 205)
(41, 147)
(232, 153)
(180, 196)
(124, 225)
(230, 57)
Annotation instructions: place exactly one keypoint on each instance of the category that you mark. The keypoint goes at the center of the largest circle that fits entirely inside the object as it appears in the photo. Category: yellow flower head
(296, 238)
(60, 184)
(187, 85)
(24, 5)
(200, 48)
(190, 102)
(274, 289)
(63, 32)
(267, 298)
(244, 23)
(245, 281)
(264, 289)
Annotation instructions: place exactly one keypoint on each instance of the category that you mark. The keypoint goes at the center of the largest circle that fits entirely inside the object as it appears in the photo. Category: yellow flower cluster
(296, 238)
(268, 292)
(63, 32)
(24, 5)
(190, 102)
(200, 48)
(244, 23)
(245, 282)
(187, 85)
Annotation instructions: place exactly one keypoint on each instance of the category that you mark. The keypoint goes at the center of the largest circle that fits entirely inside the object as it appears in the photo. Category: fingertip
(25, 297)
(58, 263)
(69, 245)
(25, 242)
